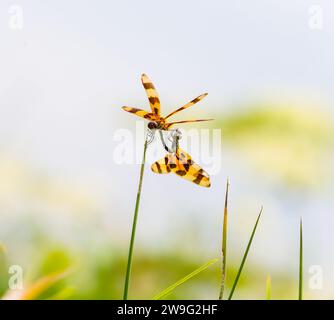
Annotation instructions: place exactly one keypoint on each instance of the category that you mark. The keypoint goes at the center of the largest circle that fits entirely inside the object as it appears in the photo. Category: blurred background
(67, 68)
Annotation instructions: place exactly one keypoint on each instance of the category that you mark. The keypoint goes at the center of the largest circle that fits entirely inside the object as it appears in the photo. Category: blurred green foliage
(3, 270)
(289, 144)
(101, 276)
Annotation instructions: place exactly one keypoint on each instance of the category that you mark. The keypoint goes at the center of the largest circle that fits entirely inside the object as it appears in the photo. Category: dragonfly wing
(152, 94)
(183, 166)
(162, 166)
(140, 113)
(170, 124)
(189, 104)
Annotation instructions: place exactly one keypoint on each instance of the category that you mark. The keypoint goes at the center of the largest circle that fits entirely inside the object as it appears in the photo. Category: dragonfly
(157, 122)
(179, 162)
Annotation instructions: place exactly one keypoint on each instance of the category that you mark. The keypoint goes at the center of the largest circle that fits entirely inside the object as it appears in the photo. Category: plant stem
(268, 288)
(224, 237)
(300, 295)
(245, 256)
(134, 225)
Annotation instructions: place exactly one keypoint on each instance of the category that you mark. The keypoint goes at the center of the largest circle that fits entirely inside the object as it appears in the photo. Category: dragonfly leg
(173, 133)
(150, 136)
(164, 143)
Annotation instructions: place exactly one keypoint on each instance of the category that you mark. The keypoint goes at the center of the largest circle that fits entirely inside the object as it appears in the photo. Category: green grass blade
(300, 294)
(134, 226)
(268, 288)
(224, 239)
(168, 290)
(244, 257)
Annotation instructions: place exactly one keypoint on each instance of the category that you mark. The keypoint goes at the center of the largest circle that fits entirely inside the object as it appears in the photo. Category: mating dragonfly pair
(176, 159)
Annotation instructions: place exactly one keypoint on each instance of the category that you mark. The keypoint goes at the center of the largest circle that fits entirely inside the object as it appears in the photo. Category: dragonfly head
(152, 125)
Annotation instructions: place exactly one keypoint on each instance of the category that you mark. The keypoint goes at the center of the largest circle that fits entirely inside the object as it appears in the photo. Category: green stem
(268, 288)
(134, 225)
(300, 296)
(244, 257)
(224, 237)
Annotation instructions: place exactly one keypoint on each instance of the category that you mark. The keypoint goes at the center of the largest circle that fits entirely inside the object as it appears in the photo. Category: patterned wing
(162, 165)
(140, 113)
(182, 165)
(189, 104)
(170, 124)
(152, 94)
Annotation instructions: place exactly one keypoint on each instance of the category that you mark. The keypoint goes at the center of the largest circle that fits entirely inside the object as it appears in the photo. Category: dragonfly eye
(152, 125)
